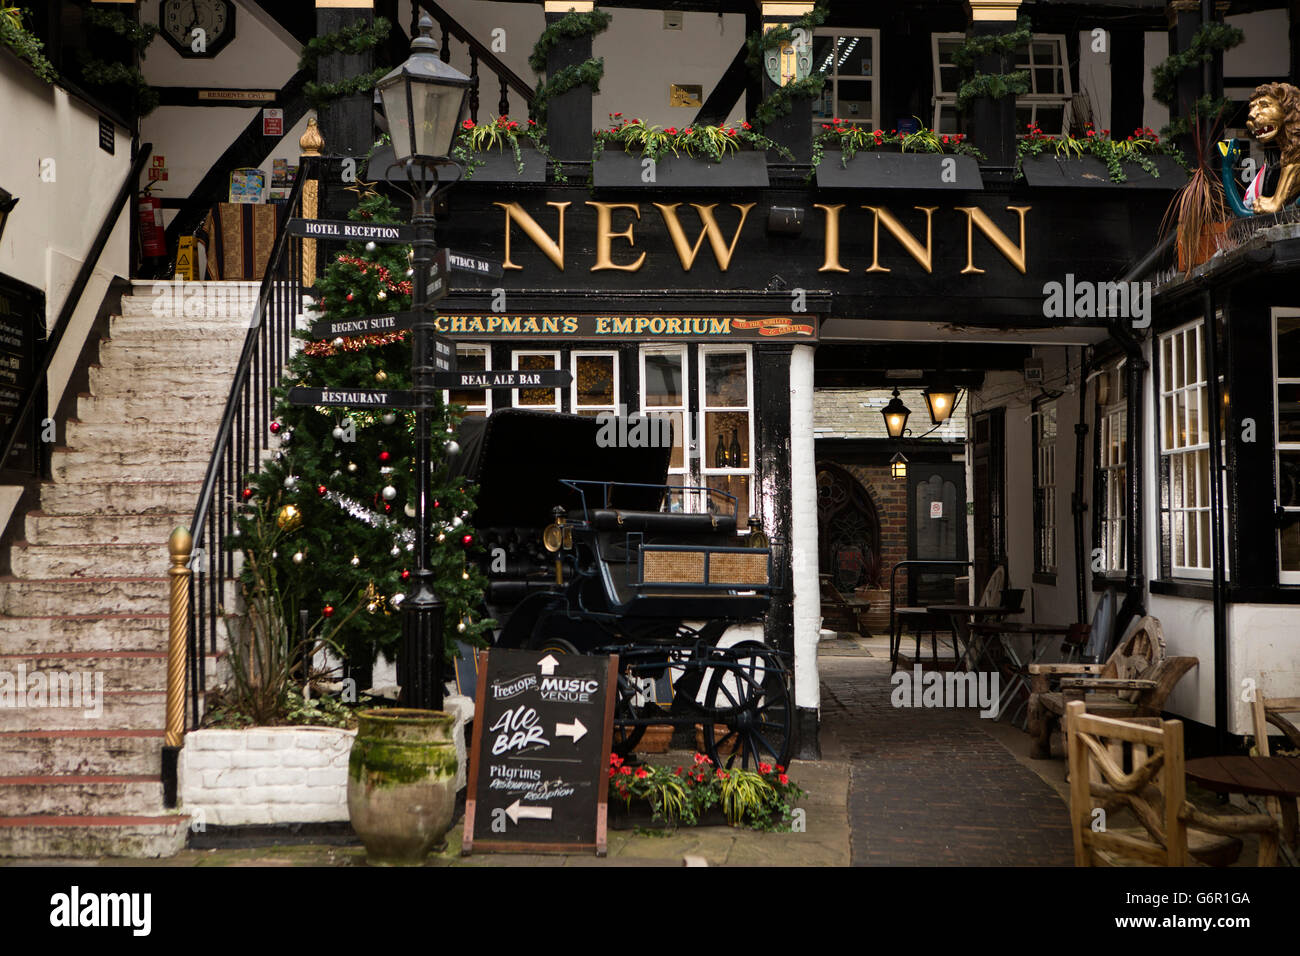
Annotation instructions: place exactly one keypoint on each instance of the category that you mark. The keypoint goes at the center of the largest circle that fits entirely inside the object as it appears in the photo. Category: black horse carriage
(589, 550)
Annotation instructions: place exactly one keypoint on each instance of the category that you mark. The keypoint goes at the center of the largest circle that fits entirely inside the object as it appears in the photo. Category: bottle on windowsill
(735, 456)
(720, 459)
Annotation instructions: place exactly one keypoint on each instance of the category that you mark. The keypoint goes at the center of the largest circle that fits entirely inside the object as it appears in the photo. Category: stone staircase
(87, 598)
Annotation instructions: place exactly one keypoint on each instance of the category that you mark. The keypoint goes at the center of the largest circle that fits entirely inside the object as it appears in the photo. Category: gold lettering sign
(605, 236)
(902, 235)
(685, 251)
(1015, 254)
(553, 248)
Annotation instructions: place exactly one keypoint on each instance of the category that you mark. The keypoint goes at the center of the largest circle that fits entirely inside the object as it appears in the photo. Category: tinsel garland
(326, 349)
(363, 266)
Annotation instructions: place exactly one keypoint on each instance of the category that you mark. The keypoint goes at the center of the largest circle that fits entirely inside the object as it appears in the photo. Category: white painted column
(803, 531)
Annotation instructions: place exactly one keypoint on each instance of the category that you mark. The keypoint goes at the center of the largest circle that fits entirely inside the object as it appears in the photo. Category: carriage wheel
(753, 700)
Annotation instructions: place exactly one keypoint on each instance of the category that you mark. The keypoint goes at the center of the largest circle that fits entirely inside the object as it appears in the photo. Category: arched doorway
(848, 530)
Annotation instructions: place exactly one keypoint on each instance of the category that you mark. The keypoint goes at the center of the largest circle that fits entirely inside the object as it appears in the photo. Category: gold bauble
(381, 376)
(288, 518)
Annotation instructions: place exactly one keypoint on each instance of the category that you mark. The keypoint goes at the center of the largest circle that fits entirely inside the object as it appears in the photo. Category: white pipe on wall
(803, 530)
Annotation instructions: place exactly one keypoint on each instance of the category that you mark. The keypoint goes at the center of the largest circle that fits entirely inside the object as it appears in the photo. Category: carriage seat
(669, 522)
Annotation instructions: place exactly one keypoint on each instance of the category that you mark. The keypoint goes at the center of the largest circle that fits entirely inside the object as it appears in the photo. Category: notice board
(22, 339)
(539, 763)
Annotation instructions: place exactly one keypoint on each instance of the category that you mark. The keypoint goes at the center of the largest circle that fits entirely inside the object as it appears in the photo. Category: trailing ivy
(1210, 39)
(780, 101)
(994, 86)
(25, 46)
(97, 71)
(354, 39)
(569, 27)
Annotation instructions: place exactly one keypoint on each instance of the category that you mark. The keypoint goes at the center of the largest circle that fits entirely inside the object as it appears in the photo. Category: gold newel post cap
(311, 142)
(180, 543)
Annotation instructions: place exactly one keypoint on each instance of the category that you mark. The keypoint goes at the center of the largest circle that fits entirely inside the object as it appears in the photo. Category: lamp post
(424, 100)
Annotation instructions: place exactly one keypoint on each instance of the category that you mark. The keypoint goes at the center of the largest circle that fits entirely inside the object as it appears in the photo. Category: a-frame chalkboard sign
(539, 764)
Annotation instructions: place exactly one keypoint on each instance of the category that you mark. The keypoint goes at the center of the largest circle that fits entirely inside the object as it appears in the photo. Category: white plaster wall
(1094, 77)
(1264, 646)
(1188, 626)
(1155, 115)
(1266, 52)
(52, 227)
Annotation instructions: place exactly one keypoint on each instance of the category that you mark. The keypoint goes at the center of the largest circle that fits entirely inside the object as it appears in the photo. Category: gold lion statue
(1274, 121)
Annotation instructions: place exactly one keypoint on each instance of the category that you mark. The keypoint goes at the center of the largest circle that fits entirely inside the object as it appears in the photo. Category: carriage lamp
(898, 466)
(756, 539)
(424, 100)
(940, 398)
(555, 538)
(895, 416)
(7, 203)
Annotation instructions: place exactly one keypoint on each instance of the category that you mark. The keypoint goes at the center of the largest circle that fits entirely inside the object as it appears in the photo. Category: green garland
(96, 71)
(569, 27)
(780, 101)
(25, 46)
(992, 85)
(1210, 39)
(355, 38)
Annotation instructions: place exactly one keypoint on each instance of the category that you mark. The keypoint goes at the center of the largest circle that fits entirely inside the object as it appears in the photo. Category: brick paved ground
(930, 787)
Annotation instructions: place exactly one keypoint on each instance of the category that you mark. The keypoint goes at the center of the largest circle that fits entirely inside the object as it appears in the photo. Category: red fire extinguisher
(153, 244)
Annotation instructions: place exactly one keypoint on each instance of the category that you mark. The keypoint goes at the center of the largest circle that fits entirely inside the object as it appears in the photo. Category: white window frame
(706, 470)
(1045, 537)
(574, 406)
(684, 409)
(1112, 462)
(1279, 446)
(484, 408)
(515, 355)
(944, 99)
(1188, 452)
(833, 77)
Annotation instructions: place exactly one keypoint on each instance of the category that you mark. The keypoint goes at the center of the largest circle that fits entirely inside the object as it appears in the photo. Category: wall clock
(178, 19)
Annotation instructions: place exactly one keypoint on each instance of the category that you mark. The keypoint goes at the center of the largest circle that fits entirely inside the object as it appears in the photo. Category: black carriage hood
(517, 458)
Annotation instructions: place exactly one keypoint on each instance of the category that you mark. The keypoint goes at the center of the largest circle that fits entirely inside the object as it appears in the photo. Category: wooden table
(1261, 776)
(960, 615)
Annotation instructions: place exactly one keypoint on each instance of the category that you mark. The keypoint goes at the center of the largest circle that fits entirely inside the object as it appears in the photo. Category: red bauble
(328, 610)
(320, 490)
(387, 507)
(246, 493)
(275, 428)
(384, 456)
(406, 575)
(467, 540)
(349, 296)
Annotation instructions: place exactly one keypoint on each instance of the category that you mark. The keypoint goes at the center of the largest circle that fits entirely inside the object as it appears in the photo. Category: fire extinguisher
(153, 245)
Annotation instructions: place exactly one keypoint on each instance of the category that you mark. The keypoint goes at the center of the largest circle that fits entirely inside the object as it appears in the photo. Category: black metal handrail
(28, 400)
(507, 79)
(243, 437)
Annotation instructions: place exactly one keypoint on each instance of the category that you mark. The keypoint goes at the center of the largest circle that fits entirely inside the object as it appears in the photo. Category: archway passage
(848, 530)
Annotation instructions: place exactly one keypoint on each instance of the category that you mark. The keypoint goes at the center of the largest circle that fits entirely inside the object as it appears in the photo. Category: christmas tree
(337, 496)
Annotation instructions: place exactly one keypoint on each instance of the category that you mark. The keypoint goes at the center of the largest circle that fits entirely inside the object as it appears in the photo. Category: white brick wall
(280, 774)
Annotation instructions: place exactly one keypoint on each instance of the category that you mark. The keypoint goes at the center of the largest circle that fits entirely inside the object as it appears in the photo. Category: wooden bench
(1134, 682)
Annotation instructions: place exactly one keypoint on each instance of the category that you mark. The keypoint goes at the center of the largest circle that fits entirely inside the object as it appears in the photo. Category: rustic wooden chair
(837, 613)
(1270, 710)
(1172, 832)
(1134, 682)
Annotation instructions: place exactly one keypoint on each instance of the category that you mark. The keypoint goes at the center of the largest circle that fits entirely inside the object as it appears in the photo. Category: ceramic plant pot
(401, 783)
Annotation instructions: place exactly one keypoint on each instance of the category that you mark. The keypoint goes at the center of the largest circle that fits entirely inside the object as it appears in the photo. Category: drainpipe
(1215, 404)
(1078, 506)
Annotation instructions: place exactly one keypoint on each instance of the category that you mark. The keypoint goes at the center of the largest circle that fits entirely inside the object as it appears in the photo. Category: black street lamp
(940, 398)
(424, 100)
(895, 416)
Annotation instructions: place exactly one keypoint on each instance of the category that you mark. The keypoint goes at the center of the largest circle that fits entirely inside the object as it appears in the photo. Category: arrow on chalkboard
(517, 812)
(574, 730)
(548, 665)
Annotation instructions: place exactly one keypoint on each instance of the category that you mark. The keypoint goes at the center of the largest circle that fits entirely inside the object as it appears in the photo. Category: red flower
(720, 774)
(836, 120)
(731, 132)
(783, 778)
(671, 131)
(780, 769)
(532, 122)
(687, 131)
(764, 768)
(677, 772)
(615, 760)
(641, 773)
(626, 771)
(616, 115)
(700, 758)
(945, 138)
(468, 124)
(1091, 134)
(1105, 132)
(746, 125)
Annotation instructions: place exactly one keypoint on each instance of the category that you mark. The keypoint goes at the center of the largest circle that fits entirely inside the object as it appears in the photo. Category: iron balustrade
(507, 79)
(243, 438)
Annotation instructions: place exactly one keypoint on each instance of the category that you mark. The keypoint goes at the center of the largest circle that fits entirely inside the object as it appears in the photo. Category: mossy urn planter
(401, 783)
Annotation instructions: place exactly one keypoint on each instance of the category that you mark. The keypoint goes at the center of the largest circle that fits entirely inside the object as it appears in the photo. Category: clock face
(197, 28)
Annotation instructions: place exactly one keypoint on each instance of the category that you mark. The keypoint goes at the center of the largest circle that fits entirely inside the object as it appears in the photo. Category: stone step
(202, 407)
(197, 355)
(73, 466)
(77, 633)
(111, 710)
(97, 751)
(192, 300)
(81, 530)
(88, 560)
(124, 436)
(160, 379)
(80, 794)
(41, 597)
(122, 671)
(89, 837)
(232, 328)
(125, 497)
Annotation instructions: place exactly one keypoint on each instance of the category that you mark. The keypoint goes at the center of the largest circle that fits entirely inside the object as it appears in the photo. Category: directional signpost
(538, 780)
(444, 350)
(346, 230)
(546, 378)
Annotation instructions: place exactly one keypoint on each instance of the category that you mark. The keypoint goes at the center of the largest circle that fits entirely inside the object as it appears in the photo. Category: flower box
(887, 169)
(1053, 170)
(614, 167)
(498, 166)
